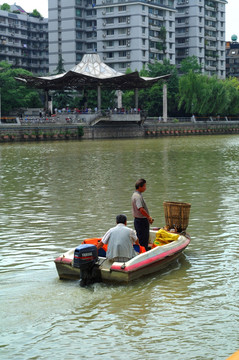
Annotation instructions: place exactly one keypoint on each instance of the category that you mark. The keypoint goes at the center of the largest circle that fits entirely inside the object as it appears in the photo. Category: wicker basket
(176, 215)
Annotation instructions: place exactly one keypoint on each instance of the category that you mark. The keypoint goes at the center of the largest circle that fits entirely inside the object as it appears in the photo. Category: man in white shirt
(120, 240)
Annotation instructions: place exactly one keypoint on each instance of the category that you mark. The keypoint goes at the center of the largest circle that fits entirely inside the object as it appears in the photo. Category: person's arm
(104, 239)
(144, 213)
(99, 245)
(134, 238)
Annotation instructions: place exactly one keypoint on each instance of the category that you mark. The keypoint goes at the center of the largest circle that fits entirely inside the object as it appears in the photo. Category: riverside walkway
(116, 126)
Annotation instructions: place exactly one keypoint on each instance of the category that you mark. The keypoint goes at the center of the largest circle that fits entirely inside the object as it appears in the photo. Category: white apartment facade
(200, 31)
(24, 41)
(129, 36)
(126, 34)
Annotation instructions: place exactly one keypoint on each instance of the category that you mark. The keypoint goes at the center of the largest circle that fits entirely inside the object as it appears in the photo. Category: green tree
(190, 63)
(203, 95)
(60, 97)
(5, 7)
(232, 104)
(60, 66)
(14, 94)
(151, 99)
(161, 45)
(35, 13)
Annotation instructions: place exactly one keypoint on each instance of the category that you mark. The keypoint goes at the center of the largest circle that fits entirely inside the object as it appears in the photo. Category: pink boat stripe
(149, 261)
(63, 260)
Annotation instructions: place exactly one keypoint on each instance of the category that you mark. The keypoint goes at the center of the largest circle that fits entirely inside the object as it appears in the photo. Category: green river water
(55, 194)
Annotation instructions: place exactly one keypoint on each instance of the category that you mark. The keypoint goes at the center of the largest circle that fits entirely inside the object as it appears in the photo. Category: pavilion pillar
(99, 97)
(46, 101)
(165, 104)
(119, 99)
(136, 98)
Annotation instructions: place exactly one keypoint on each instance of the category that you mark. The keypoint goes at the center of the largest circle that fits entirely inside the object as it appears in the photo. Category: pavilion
(91, 73)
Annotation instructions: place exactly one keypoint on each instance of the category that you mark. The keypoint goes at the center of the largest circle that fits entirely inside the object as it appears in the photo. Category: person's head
(140, 185)
(121, 219)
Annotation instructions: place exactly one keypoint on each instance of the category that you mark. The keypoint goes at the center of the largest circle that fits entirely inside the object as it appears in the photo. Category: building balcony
(211, 7)
(210, 18)
(182, 24)
(210, 57)
(154, 28)
(154, 16)
(211, 67)
(211, 48)
(181, 45)
(210, 37)
(210, 27)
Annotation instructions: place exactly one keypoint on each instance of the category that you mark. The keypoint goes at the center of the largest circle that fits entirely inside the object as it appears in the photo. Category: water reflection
(53, 195)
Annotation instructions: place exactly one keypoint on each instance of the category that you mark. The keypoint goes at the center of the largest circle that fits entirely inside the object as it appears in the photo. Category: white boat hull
(143, 264)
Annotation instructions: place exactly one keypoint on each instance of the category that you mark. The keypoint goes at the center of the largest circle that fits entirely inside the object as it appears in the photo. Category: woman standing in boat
(142, 219)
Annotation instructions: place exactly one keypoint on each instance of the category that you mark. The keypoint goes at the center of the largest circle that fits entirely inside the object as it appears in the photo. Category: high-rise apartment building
(126, 34)
(200, 31)
(130, 33)
(232, 57)
(24, 41)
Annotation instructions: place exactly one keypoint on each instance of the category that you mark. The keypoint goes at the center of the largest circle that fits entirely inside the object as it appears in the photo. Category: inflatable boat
(89, 265)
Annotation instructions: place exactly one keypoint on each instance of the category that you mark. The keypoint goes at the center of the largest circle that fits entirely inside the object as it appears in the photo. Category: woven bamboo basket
(176, 215)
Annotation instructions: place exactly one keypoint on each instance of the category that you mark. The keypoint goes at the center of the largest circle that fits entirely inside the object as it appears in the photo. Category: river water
(55, 194)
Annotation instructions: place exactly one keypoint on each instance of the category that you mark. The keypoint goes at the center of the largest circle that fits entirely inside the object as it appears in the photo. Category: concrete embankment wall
(45, 132)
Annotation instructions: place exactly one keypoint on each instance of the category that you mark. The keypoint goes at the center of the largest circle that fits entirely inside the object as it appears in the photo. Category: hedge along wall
(38, 133)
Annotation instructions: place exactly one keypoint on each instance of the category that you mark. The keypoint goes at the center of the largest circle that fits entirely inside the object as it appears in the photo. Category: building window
(123, 65)
(110, 21)
(109, 10)
(110, 32)
(122, 19)
(122, 53)
(79, 57)
(122, 42)
(78, 46)
(79, 24)
(110, 43)
(122, 31)
(79, 35)
(122, 8)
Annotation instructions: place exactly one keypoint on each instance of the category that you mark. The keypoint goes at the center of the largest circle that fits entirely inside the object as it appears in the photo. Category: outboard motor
(85, 258)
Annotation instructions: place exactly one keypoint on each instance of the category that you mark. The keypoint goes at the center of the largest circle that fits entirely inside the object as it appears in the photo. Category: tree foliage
(190, 64)
(151, 99)
(14, 94)
(35, 13)
(203, 95)
(5, 7)
(161, 45)
(60, 66)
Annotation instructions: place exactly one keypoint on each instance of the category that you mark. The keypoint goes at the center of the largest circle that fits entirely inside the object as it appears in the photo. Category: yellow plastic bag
(164, 237)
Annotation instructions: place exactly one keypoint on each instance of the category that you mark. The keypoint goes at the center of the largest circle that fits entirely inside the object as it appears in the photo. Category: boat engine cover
(85, 256)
